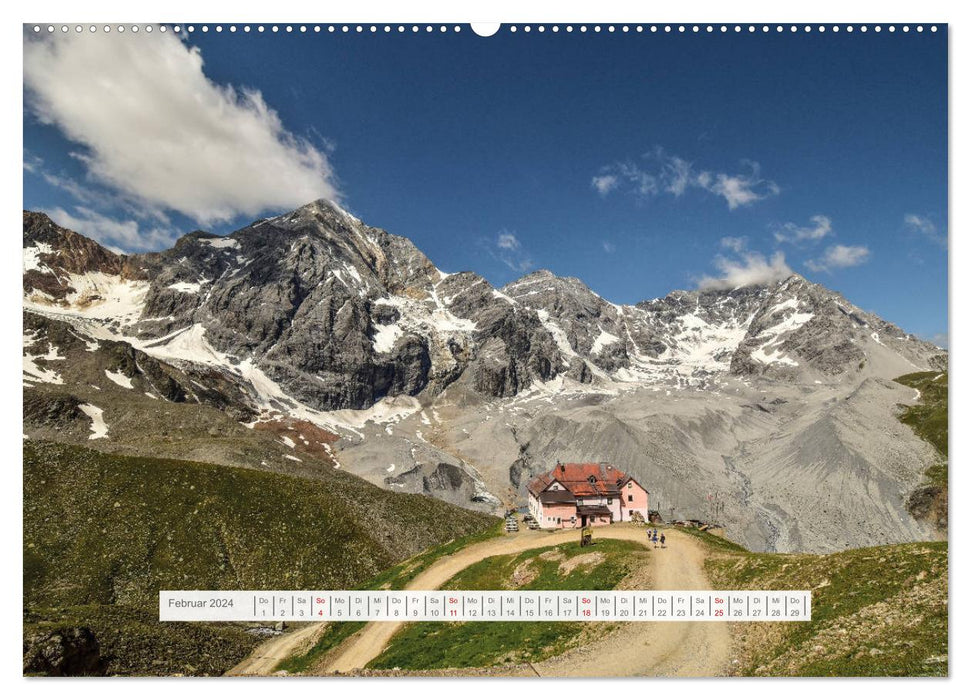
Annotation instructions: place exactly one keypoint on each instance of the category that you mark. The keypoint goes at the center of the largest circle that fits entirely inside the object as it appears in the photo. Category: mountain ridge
(320, 268)
(439, 383)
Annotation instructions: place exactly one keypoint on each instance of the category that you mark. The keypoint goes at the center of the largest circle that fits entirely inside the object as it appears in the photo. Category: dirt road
(643, 648)
(264, 659)
(656, 648)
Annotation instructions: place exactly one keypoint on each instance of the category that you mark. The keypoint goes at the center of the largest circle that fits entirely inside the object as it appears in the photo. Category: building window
(630, 484)
(610, 501)
(558, 521)
(630, 498)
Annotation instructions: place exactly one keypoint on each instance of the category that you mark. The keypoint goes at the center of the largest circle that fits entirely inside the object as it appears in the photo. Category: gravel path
(656, 648)
(642, 648)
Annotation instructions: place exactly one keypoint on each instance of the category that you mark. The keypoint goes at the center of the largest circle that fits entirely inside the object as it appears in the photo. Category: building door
(583, 521)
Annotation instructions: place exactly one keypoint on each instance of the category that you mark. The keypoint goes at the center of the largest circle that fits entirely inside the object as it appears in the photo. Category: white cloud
(920, 223)
(605, 183)
(742, 190)
(839, 256)
(675, 176)
(508, 241)
(641, 182)
(749, 268)
(118, 235)
(93, 197)
(608, 247)
(924, 226)
(156, 129)
(734, 243)
(820, 227)
(32, 163)
(509, 250)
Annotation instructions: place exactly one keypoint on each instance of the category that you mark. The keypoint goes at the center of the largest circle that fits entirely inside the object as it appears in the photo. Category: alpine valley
(314, 344)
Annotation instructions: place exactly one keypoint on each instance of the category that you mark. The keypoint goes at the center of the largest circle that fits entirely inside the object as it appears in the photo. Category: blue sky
(641, 163)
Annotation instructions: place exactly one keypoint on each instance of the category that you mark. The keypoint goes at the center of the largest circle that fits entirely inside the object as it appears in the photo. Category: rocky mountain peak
(545, 290)
(62, 266)
(193, 237)
(336, 314)
(321, 213)
(535, 275)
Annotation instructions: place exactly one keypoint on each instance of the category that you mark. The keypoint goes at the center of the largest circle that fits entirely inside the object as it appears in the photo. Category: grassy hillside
(129, 641)
(879, 611)
(434, 645)
(103, 533)
(928, 418)
(427, 645)
(395, 578)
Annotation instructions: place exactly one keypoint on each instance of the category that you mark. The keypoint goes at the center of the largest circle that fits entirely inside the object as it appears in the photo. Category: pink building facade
(577, 495)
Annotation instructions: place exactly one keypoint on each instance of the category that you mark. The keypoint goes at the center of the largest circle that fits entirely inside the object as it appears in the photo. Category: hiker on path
(654, 540)
(662, 541)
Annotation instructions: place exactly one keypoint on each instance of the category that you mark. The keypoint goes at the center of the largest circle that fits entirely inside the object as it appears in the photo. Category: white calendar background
(485, 606)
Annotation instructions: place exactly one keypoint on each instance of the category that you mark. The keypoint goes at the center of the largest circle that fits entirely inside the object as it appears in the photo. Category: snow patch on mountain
(97, 295)
(769, 351)
(767, 356)
(220, 242)
(504, 297)
(415, 316)
(119, 379)
(187, 287)
(386, 336)
(32, 372)
(99, 429)
(35, 374)
(559, 335)
(32, 257)
(602, 341)
(384, 412)
(188, 344)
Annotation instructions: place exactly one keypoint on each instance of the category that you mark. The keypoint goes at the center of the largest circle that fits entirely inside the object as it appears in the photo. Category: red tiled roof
(588, 479)
(539, 484)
